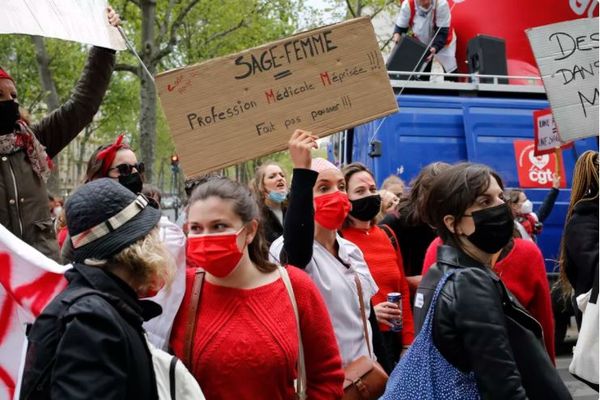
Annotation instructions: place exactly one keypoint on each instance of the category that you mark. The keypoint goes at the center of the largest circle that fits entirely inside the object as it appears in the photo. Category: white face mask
(56, 211)
(527, 207)
(424, 11)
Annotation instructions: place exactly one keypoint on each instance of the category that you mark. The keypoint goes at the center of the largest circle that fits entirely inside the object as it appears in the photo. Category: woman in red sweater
(245, 344)
(521, 267)
(384, 261)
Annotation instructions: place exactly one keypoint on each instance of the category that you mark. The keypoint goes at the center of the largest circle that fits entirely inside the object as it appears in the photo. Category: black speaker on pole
(487, 56)
(406, 55)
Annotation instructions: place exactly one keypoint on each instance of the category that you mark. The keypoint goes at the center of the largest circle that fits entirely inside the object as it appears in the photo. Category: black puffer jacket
(91, 346)
(581, 246)
(479, 326)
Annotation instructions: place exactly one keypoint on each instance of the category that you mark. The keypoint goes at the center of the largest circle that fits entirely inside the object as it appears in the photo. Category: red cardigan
(524, 274)
(385, 264)
(246, 345)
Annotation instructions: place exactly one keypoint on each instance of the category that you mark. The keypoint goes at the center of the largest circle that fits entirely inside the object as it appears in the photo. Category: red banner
(535, 171)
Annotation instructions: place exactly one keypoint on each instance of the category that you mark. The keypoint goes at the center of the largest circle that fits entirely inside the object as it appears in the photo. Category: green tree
(176, 33)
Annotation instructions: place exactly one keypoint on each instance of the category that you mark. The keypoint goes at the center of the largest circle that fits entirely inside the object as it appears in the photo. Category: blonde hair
(584, 188)
(147, 263)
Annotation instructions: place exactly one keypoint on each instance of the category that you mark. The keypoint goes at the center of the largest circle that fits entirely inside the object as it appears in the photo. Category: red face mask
(217, 254)
(332, 209)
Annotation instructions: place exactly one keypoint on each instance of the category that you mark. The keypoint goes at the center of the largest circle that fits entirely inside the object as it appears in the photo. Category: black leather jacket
(479, 326)
(89, 343)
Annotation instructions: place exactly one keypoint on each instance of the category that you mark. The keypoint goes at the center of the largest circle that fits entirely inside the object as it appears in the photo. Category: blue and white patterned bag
(423, 373)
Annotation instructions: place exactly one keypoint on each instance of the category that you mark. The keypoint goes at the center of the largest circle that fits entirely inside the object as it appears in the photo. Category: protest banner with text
(243, 106)
(567, 56)
(545, 133)
(78, 21)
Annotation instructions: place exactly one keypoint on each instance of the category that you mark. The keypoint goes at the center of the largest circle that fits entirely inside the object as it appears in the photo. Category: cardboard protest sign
(567, 56)
(536, 171)
(545, 133)
(243, 106)
(78, 21)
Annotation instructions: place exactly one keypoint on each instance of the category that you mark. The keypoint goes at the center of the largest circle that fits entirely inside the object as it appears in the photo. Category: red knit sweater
(246, 347)
(524, 274)
(387, 270)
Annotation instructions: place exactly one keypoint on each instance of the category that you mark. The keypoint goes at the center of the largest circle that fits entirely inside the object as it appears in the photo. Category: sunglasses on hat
(127, 169)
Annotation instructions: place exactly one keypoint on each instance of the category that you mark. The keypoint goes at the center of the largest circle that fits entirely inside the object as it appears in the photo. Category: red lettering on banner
(7, 381)
(42, 290)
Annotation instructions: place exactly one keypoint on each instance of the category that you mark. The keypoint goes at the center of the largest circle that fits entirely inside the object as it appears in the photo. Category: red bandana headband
(107, 156)
(5, 75)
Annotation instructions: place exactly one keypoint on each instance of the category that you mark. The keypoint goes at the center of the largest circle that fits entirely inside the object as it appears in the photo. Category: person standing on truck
(26, 151)
(429, 19)
(528, 223)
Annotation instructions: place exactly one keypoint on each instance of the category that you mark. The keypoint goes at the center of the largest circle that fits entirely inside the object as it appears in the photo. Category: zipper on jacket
(14, 179)
(527, 316)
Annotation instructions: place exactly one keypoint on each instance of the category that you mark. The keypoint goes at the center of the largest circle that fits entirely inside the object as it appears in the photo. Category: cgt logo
(534, 171)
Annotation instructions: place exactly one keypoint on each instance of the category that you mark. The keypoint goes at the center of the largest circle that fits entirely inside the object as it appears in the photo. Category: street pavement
(578, 389)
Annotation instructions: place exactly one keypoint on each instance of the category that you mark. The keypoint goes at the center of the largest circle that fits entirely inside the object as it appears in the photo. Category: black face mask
(493, 228)
(132, 182)
(367, 208)
(9, 115)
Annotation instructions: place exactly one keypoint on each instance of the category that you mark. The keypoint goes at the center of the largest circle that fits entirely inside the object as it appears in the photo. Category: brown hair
(348, 171)
(244, 206)
(94, 166)
(411, 207)
(584, 188)
(453, 191)
(512, 196)
(257, 185)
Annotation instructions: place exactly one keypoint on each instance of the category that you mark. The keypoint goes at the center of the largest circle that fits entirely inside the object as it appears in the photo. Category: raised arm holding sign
(26, 150)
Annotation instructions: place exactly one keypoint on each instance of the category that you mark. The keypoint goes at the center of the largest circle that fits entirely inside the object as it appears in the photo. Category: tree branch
(165, 25)
(173, 32)
(352, 12)
(128, 68)
(226, 32)
(389, 2)
(384, 45)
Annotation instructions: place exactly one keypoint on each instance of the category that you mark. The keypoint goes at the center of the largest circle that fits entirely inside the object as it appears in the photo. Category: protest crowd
(318, 285)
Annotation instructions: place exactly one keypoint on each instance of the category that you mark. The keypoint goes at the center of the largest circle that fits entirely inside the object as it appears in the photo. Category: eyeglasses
(127, 169)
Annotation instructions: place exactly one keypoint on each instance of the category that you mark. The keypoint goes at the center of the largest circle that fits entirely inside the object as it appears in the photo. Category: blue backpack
(423, 373)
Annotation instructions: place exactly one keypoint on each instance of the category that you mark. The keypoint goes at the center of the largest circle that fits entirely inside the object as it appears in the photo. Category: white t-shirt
(423, 28)
(338, 288)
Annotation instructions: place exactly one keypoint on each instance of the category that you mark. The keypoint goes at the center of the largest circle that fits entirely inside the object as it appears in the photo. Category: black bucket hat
(104, 217)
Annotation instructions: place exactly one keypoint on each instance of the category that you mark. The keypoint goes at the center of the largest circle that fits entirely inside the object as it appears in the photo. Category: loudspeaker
(487, 56)
(406, 55)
